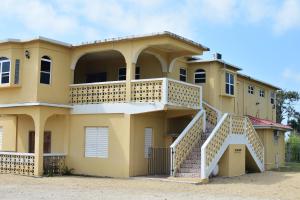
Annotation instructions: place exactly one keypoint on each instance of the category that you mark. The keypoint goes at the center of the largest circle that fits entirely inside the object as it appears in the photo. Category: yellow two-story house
(132, 106)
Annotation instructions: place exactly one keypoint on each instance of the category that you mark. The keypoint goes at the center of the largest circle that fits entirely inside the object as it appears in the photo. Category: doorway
(47, 142)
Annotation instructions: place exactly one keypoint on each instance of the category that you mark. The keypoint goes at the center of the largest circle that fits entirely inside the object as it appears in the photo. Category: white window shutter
(96, 142)
(1, 138)
(148, 141)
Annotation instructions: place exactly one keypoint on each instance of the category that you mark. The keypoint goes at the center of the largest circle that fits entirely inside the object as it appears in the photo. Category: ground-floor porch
(33, 140)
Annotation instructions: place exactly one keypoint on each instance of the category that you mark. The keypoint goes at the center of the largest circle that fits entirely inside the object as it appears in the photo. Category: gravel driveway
(266, 186)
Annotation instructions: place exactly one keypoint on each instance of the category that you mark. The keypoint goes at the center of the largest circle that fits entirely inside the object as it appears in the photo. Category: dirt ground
(266, 186)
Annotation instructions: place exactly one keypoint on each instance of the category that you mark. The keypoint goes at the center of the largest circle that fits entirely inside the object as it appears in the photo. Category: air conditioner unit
(218, 56)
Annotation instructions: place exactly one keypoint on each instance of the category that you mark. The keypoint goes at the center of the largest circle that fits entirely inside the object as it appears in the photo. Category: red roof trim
(267, 123)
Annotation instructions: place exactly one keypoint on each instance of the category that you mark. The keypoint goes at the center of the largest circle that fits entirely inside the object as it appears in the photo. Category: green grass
(290, 167)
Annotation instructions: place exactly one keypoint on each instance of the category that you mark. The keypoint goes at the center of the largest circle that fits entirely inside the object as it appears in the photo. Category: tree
(285, 105)
(295, 122)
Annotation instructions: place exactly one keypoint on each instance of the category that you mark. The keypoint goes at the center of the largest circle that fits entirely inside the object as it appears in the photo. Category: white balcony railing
(163, 90)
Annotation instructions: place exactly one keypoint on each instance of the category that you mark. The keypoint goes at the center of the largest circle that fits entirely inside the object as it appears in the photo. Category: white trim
(127, 108)
(231, 139)
(185, 83)
(45, 72)
(231, 77)
(149, 79)
(181, 136)
(215, 109)
(165, 89)
(215, 60)
(16, 154)
(200, 73)
(9, 73)
(26, 104)
(185, 131)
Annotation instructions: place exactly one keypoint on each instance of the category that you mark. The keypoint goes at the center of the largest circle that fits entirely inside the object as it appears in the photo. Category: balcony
(169, 92)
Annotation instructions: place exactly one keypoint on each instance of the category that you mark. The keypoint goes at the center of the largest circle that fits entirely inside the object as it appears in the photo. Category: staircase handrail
(180, 150)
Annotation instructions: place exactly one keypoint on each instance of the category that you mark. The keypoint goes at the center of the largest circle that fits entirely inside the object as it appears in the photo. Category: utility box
(232, 163)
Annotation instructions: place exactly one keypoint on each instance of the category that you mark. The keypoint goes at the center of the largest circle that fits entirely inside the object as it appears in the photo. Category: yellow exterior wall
(55, 124)
(156, 121)
(232, 163)
(117, 163)
(273, 149)
(253, 104)
(26, 91)
(8, 125)
(58, 90)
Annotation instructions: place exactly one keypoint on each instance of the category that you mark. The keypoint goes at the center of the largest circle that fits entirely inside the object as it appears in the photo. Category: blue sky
(260, 36)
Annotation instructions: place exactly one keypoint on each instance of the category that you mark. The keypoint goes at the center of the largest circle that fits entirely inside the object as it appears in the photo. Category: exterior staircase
(198, 149)
(191, 166)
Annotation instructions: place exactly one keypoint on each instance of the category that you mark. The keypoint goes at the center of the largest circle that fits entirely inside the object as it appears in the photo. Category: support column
(130, 75)
(39, 123)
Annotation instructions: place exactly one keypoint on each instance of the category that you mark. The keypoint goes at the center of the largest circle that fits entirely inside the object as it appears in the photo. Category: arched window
(45, 76)
(200, 76)
(4, 70)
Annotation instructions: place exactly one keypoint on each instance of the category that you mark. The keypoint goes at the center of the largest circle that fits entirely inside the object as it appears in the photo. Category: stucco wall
(8, 125)
(232, 163)
(117, 163)
(156, 121)
(272, 148)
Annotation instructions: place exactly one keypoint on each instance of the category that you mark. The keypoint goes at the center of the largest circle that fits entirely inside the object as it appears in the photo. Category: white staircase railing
(213, 115)
(230, 130)
(183, 145)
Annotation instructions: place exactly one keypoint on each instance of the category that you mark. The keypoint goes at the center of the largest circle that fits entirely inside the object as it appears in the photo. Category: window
(229, 86)
(45, 77)
(137, 73)
(182, 74)
(200, 76)
(4, 70)
(272, 98)
(1, 138)
(262, 93)
(17, 71)
(148, 141)
(250, 89)
(122, 73)
(96, 142)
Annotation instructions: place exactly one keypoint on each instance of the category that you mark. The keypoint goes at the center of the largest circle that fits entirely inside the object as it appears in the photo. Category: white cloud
(37, 16)
(222, 11)
(95, 19)
(256, 11)
(291, 75)
(288, 16)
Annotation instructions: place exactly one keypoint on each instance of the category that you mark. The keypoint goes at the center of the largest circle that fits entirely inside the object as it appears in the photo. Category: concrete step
(189, 170)
(189, 175)
(189, 161)
(194, 156)
(190, 165)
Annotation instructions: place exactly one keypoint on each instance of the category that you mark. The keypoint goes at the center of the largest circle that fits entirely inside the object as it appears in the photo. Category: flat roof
(133, 37)
(39, 38)
(216, 60)
(258, 81)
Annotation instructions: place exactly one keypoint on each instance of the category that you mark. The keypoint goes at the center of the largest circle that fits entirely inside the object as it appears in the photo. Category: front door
(47, 142)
